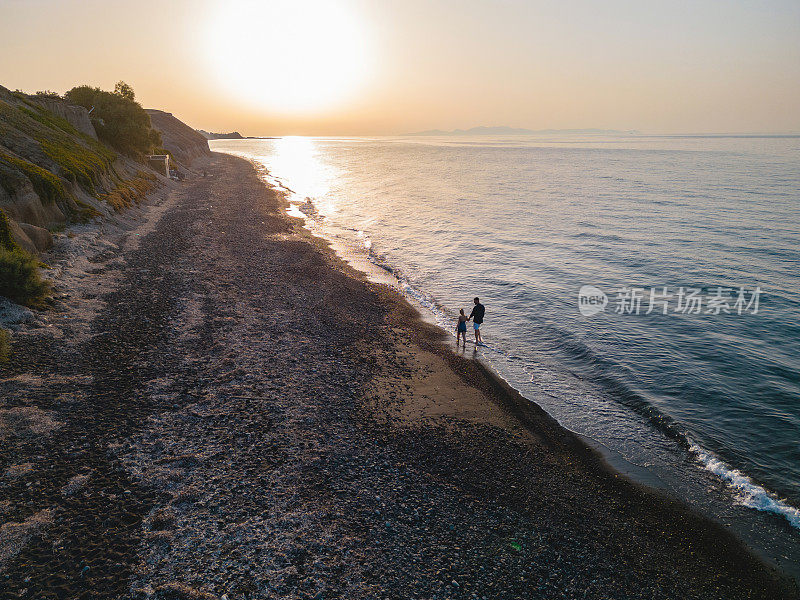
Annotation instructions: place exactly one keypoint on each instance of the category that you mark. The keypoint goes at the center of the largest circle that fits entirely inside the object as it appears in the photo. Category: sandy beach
(217, 406)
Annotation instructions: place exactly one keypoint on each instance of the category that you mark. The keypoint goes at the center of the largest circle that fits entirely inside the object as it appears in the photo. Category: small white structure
(159, 162)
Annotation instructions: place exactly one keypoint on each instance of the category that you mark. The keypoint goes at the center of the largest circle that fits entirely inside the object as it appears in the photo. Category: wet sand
(220, 406)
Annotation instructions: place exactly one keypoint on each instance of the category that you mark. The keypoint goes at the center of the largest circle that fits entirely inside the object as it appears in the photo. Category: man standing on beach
(477, 318)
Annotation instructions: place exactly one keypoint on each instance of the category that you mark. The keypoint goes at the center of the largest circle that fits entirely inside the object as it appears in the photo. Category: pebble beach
(216, 406)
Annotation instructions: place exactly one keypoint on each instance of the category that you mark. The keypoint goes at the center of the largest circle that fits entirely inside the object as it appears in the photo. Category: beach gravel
(243, 416)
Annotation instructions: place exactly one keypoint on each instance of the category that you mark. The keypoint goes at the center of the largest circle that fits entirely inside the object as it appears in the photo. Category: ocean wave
(747, 492)
(599, 370)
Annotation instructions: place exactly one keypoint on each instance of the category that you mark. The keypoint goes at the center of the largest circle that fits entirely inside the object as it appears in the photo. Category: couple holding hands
(477, 319)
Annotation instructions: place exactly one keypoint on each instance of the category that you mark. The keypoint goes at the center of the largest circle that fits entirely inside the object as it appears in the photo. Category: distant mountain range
(517, 131)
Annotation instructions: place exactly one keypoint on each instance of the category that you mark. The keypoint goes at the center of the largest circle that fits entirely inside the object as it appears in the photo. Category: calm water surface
(705, 405)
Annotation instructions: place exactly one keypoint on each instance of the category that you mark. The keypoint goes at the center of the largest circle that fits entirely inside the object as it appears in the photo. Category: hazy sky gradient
(660, 67)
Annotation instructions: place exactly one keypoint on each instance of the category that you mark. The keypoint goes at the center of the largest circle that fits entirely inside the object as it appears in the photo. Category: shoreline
(357, 440)
(738, 501)
(603, 457)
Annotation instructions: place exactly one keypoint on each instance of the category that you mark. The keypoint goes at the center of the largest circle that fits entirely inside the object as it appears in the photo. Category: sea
(644, 290)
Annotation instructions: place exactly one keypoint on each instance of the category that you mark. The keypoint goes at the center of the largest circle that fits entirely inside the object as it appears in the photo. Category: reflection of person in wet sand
(461, 329)
(477, 319)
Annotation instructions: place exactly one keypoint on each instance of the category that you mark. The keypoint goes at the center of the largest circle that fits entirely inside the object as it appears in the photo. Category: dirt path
(250, 419)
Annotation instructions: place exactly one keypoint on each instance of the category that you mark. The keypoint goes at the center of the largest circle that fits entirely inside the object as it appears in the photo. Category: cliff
(54, 171)
(77, 116)
(181, 141)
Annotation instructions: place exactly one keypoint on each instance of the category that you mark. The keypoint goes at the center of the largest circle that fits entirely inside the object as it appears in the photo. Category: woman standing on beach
(461, 328)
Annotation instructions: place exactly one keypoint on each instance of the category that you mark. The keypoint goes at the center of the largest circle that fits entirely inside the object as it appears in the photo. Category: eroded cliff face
(183, 143)
(77, 116)
(29, 218)
(54, 171)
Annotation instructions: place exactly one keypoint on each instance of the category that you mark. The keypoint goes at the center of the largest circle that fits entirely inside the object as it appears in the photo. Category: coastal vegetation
(57, 149)
(20, 280)
(14, 170)
(7, 241)
(130, 191)
(48, 144)
(119, 120)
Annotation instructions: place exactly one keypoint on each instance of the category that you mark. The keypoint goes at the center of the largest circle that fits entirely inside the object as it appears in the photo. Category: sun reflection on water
(297, 159)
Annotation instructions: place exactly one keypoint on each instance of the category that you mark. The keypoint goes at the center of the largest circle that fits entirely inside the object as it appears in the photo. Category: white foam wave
(748, 492)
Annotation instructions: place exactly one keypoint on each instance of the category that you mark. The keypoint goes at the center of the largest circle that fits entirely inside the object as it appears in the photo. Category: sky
(384, 67)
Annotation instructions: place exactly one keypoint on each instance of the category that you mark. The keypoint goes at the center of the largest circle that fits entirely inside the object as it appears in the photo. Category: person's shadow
(462, 350)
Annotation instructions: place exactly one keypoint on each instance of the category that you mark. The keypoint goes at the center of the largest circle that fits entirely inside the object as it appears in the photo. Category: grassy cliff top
(45, 149)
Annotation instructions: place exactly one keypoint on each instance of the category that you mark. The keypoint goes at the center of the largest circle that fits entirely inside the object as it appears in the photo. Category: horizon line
(637, 133)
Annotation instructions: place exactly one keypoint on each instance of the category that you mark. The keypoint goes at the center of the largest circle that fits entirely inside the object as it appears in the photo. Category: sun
(290, 56)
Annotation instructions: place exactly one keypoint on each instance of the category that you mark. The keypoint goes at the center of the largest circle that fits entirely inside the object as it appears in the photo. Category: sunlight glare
(298, 159)
(288, 56)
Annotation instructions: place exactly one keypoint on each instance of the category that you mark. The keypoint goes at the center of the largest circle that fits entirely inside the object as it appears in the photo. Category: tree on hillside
(119, 120)
(124, 90)
(48, 94)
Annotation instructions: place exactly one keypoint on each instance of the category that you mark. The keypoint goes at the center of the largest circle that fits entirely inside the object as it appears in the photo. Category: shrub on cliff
(20, 280)
(46, 185)
(7, 241)
(130, 191)
(119, 120)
